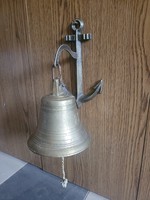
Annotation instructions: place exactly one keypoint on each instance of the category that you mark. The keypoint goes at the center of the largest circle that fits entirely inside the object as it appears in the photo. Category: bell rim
(60, 153)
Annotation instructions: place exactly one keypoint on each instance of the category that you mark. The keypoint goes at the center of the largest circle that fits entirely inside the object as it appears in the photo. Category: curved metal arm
(59, 51)
(97, 89)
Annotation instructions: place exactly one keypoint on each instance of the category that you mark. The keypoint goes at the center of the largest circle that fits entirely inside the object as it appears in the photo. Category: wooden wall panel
(17, 98)
(32, 30)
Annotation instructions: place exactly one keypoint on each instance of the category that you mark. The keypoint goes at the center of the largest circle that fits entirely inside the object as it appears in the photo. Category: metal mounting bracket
(77, 26)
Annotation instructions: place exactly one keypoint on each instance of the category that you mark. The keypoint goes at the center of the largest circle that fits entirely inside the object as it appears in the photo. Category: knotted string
(65, 180)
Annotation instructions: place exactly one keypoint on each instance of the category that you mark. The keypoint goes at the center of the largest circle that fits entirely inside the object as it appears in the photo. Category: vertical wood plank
(17, 107)
(144, 182)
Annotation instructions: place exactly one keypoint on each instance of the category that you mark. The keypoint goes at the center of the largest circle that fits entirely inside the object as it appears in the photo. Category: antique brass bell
(59, 132)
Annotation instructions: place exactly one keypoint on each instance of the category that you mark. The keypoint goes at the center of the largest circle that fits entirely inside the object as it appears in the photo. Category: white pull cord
(65, 180)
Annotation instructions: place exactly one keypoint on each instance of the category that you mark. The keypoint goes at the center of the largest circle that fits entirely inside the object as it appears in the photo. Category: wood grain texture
(17, 98)
(32, 30)
(144, 184)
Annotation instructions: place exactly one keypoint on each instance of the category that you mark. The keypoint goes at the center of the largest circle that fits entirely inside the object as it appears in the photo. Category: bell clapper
(65, 180)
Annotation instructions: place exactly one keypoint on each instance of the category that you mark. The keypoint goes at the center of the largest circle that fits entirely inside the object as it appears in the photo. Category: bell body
(59, 132)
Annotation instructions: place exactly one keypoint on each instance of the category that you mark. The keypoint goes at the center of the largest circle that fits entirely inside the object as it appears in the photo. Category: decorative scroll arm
(60, 50)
